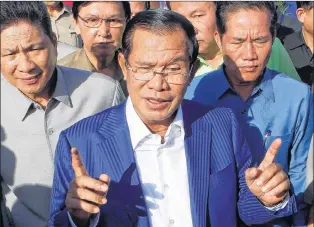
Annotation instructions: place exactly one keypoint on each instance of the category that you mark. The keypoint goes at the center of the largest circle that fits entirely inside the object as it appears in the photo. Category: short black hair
(169, 6)
(223, 8)
(160, 21)
(32, 12)
(308, 5)
(77, 4)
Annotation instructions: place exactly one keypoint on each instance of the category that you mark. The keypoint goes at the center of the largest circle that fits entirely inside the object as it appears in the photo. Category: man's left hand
(269, 183)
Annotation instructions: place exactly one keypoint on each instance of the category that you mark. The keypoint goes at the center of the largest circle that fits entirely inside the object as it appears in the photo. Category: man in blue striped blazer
(170, 162)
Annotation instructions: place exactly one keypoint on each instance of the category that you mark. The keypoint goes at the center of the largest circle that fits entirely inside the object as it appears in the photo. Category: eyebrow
(110, 16)
(145, 62)
(27, 48)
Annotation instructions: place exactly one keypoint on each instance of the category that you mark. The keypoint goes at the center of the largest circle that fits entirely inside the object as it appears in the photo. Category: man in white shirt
(170, 162)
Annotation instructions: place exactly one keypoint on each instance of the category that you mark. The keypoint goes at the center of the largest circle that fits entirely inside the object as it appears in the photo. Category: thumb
(251, 174)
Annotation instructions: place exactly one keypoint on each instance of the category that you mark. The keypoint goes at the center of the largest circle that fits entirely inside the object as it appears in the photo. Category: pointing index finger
(270, 154)
(77, 164)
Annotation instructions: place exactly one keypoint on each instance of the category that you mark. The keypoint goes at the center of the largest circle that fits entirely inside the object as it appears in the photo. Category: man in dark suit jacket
(171, 162)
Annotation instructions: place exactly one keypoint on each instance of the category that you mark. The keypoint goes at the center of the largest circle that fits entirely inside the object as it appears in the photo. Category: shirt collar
(138, 130)
(65, 10)
(298, 40)
(85, 63)
(266, 85)
(23, 103)
(61, 92)
(221, 83)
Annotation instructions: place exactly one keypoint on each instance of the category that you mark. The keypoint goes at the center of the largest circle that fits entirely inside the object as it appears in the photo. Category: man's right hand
(85, 193)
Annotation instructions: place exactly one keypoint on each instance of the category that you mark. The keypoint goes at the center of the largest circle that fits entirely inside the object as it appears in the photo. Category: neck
(308, 38)
(244, 88)
(160, 128)
(106, 64)
(213, 56)
(42, 98)
(55, 10)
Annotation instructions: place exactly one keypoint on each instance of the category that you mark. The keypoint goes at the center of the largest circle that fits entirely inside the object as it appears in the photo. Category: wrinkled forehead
(102, 9)
(166, 45)
(22, 33)
(258, 19)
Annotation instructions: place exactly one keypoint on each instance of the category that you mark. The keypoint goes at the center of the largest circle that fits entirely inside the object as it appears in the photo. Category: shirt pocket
(222, 176)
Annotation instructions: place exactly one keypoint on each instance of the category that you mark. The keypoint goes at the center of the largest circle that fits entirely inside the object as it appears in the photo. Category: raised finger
(268, 174)
(280, 190)
(77, 204)
(88, 182)
(88, 195)
(270, 154)
(77, 164)
(280, 177)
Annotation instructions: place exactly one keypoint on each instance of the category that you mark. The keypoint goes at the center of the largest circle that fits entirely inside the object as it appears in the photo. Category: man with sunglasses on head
(101, 26)
(170, 162)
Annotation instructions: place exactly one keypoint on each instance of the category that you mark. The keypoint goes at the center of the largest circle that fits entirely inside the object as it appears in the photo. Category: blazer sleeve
(250, 209)
(63, 175)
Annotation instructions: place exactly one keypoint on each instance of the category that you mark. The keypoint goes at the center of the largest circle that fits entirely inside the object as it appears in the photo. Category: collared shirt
(29, 136)
(64, 29)
(279, 60)
(79, 60)
(278, 107)
(205, 67)
(163, 170)
(301, 55)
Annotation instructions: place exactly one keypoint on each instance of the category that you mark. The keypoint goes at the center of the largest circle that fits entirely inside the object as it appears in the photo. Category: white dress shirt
(163, 170)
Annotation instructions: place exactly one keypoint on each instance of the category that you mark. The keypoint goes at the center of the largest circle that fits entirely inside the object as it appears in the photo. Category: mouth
(103, 44)
(31, 80)
(249, 68)
(157, 104)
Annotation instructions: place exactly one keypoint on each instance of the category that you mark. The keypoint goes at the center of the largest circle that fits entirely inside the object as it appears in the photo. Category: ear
(76, 26)
(218, 39)
(121, 60)
(54, 39)
(300, 14)
(194, 69)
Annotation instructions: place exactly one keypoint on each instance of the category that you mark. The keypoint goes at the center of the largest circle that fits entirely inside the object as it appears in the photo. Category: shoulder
(86, 127)
(65, 50)
(69, 60)
(286, 86)
(291, 41)
(75, 78)
(212, 114)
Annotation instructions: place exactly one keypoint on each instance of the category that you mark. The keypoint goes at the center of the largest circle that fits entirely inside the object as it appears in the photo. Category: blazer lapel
(125, 186)
(197, 147)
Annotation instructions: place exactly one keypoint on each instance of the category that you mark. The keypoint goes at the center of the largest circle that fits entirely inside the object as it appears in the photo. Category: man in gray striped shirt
(38, 101)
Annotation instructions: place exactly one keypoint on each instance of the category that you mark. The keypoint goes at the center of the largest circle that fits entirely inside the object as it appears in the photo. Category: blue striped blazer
(217, 156)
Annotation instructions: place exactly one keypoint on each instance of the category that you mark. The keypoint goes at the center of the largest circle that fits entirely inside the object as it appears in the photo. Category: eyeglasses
(95, 22)
(173, 75)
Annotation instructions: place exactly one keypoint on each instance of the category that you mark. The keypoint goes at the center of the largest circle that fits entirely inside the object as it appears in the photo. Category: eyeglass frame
(153, 71)
(101, 20)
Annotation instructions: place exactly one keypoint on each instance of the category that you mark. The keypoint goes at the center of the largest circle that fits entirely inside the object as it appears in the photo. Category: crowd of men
(174, 114)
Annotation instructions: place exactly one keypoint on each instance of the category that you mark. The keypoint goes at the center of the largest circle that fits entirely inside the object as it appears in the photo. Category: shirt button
(50, 131)
(166, 186)
(171, 221)
(38, 107)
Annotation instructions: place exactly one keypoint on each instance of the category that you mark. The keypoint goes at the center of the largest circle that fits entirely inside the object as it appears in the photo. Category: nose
(249, 52)
(25, 63)
(104, 29)
(158, 83)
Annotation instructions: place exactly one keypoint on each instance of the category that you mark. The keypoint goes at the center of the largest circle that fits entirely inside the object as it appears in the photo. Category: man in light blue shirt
(270, 104)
